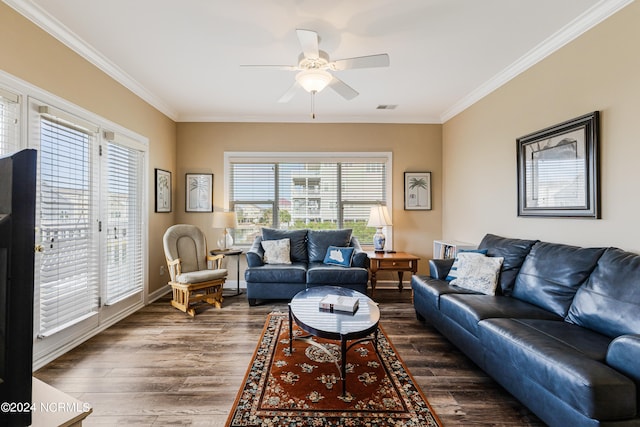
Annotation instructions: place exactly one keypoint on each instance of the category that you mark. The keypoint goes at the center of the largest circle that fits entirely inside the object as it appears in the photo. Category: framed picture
(417, 191)
(199, 192)
(163, 191)
(558, 170)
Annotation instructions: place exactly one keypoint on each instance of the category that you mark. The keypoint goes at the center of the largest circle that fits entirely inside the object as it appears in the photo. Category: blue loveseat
(562, 335)
(308, 251)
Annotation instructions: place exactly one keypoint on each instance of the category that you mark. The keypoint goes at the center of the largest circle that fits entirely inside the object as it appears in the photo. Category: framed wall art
(417, 191)
(199, 192)
(558, 170)
(163, 191)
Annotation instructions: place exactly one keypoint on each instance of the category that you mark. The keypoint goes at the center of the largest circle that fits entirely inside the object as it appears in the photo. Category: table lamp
(379, 217)
(225, 220)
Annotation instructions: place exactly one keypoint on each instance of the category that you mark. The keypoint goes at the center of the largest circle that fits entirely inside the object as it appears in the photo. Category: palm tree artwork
(417, 192)
(199, 193)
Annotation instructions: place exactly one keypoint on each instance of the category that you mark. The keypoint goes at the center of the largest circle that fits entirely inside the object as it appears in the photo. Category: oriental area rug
(303, 388)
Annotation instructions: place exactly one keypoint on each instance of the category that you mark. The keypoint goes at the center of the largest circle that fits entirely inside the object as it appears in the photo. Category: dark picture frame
(417, 191)
(163, 191)
(199, 192)
(558, 170)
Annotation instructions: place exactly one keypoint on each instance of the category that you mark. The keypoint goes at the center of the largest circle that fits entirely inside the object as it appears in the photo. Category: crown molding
(302, 118)
(55, 28)
(589, 19)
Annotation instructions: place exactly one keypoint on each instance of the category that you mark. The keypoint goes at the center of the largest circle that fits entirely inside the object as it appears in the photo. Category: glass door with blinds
(68, 272)
(90, 261)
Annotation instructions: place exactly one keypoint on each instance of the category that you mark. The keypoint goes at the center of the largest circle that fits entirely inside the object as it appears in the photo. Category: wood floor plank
(161, 367)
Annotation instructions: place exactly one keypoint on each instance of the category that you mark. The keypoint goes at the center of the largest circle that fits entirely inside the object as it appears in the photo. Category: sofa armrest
(623, 355)
(360, 258)
(255, 254)
(439, 268)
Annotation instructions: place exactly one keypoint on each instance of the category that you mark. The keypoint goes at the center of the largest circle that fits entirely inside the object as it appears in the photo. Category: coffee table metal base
(344, 348)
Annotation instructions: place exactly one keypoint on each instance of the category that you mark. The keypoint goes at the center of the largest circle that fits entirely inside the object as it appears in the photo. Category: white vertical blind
(9, 128)
(69, 271)
(124, 222)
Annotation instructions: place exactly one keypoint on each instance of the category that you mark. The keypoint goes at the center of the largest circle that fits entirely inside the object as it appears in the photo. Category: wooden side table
(397, 261)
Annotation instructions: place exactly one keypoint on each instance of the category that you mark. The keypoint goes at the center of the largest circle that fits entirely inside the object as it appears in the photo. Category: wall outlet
(162, 270)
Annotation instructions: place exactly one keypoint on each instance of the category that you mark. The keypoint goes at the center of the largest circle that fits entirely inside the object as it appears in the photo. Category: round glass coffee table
(360, 326)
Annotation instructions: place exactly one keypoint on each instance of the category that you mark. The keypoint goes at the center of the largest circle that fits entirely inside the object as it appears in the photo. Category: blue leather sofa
(307, 269)
(562, 336)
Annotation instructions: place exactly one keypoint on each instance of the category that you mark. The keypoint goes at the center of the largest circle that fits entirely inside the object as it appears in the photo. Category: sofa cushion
(276, 251)
(201, 276)
(562, 367)
(338, 256)
(318, 241)
(552, 273)
(323, 274)
(609, 301)
(277, 273)
(469, 309)
(428, 289)
(298, 240)
(453, 272)
(478, 273)
(513, 251)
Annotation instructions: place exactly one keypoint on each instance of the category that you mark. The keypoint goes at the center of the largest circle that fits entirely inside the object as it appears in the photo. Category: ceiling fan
(314, 65)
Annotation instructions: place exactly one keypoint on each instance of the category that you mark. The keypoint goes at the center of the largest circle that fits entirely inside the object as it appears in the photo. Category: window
(124, 231)
(9, 127)
(306, 190)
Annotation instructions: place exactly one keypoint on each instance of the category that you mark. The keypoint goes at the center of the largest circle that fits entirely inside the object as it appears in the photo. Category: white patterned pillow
(478, 273)
(277, 251)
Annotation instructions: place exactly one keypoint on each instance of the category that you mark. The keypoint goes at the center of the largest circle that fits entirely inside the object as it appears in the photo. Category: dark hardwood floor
(161, 367)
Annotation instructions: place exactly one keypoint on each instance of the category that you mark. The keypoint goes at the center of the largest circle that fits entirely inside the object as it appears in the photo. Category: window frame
(385, 157)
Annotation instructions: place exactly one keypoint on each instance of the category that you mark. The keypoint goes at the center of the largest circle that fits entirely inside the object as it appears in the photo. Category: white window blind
(124, 222)
(306, 193)
(68, 276)
(9, 128)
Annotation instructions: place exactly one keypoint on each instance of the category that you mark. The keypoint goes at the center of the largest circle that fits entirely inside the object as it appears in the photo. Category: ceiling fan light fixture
(313, 80)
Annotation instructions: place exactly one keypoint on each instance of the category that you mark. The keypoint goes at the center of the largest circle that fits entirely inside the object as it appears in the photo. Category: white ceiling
(184, 57)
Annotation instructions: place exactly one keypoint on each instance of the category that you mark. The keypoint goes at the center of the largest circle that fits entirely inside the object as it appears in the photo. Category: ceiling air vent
(386, 107)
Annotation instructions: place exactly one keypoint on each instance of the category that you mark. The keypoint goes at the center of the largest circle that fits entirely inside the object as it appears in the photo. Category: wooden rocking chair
(196, 277)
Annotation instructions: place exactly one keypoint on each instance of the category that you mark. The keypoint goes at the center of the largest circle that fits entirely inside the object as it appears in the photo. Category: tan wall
(598, 71)
(32, 55)
(414, 147)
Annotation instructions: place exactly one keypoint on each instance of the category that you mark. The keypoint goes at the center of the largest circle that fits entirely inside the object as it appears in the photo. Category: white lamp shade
(379, 217)
(225, 220)
(313, 80)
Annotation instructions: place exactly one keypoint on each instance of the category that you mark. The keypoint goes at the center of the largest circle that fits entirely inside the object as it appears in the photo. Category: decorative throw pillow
(276, 251)
(478, 273)
(453, 272)
(339, 256)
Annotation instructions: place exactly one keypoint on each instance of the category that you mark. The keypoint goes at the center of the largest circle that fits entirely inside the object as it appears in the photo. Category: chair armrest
(175, 268)
(360, 258)
(214, 262)
(439, 268)
(623, 355)
(255, 253)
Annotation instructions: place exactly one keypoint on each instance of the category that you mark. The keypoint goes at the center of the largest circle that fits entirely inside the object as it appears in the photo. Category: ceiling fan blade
(371, 61)
(309, 42)
(273, 67)
(286, 97)
(342, 89)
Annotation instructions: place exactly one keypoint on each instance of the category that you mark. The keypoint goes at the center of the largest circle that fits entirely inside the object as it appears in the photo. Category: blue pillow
(339, 256)
(453, 273)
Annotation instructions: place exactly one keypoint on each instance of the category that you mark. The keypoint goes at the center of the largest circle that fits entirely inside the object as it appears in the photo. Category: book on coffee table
(342, 303)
